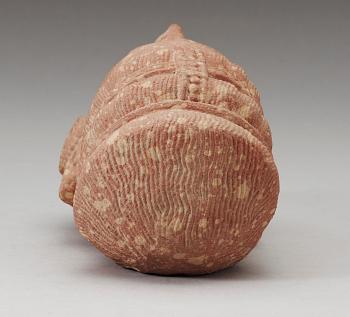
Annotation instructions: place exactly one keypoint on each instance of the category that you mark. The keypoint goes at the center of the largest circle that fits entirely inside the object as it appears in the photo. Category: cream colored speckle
(102, 205)
(203, 124)
(179, 256)
(138, 183)
(104, 167)
(237, 163)
(100, 182)
(162, 51)
(130, 197)
(131, 224)
(86, 190)
(254, 223)
(243, 190)
(163, 250)
(154, 153)
(171, 129)
(152, 247)
(222, 105)
(198, 260)
(78, 211)
(169, 142)
(181, 120)
(120, 160)
(119, 220)
(122, 145)
(244, 111)
(87, 167)
(203, 223)
(189, 157)
(146, 84)
(217, 221)
(113, 137)
(180, 209)
(207, 152)
(142, 170)
(188, 133)
(195, 79)
(216, 182)
(178, 225)
(210, 264)
(220, 172)
(164, 222)
(121, 244)
(221, 241)
(140, 240)
(193, 88)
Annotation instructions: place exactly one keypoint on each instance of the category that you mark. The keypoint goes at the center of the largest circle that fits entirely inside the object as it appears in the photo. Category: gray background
(53, 56)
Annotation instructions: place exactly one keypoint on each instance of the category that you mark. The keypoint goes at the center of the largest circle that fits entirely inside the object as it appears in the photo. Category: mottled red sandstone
(171, 171)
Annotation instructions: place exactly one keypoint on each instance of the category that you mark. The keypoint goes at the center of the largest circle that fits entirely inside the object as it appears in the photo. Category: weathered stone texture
(171, 172)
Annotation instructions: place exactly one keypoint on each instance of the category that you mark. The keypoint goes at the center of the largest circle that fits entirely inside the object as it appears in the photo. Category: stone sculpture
(171, 171)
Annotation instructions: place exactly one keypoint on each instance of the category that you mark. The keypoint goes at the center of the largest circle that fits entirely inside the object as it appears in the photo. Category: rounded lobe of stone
(71, 143)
